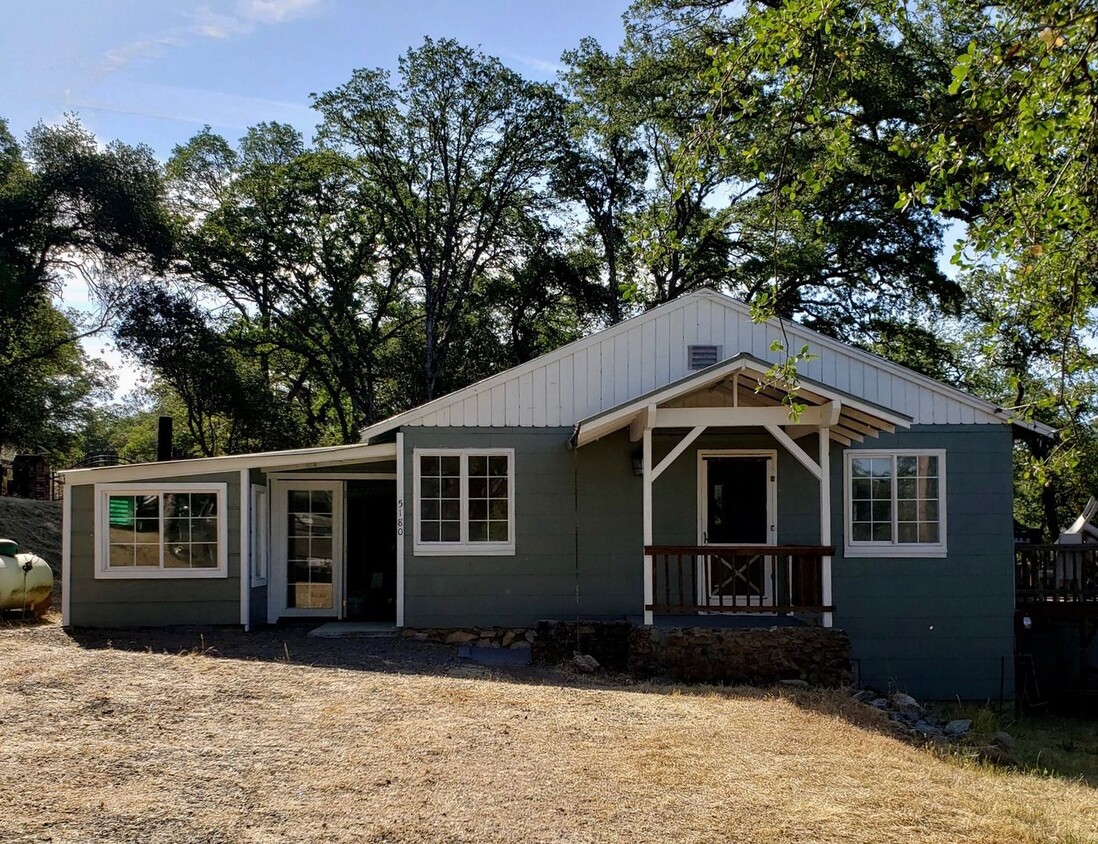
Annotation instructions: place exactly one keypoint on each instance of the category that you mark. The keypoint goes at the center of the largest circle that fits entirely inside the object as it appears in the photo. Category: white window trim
(893, 549)
(103, 571)
(260, 535)
(464, 548)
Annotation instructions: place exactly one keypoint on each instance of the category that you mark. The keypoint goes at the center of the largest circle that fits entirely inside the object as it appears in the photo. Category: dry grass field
(278, 738)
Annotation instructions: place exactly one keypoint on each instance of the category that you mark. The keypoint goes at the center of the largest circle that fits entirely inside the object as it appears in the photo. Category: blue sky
(156, 71)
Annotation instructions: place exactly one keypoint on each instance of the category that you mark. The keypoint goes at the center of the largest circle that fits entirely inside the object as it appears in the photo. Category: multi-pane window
(465, 501)
(896, 499)
(161, 531)
(309, 556)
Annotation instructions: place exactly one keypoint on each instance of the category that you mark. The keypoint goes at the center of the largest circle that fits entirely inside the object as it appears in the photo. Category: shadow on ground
(1076, 745)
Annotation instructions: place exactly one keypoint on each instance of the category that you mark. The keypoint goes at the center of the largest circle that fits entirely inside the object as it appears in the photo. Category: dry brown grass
(119, 745)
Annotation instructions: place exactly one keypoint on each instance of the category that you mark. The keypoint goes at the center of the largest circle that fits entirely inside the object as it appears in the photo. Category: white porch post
(825, 520)
(400, 529)
(246, 549)
(649, 588)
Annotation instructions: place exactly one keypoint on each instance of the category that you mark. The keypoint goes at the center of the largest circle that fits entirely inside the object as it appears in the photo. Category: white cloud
(245, 17)
(533, 63)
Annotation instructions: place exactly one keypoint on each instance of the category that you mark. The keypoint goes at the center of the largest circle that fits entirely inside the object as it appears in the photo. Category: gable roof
(856, 417)
(648, 352)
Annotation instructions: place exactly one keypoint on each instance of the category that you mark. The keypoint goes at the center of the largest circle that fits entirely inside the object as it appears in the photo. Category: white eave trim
(307, 458)
(597, 426)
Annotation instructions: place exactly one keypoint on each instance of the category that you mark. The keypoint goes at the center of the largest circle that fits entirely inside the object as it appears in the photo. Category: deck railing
(1055, 574)
(737, 578)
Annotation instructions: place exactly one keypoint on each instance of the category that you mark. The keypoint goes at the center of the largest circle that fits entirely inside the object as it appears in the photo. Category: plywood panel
(567, 392)
(537, 397)
(526, 399)
(511, 402)
(552, 394)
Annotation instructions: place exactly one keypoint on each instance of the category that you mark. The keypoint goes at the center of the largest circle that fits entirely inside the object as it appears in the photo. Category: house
(648, 472)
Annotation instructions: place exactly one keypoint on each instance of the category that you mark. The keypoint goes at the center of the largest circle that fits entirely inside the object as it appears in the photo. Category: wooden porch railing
(737, 578)
(1055, 574)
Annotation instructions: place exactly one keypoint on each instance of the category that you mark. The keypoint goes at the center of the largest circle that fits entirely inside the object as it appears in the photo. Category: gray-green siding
(937, 627)
(125, 603)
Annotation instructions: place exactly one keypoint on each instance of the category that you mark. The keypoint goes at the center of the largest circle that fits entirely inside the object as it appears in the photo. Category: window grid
(152, 531)
(465, 501)
(895, 499)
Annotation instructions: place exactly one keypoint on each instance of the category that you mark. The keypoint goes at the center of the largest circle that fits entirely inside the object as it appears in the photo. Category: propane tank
(26, 580)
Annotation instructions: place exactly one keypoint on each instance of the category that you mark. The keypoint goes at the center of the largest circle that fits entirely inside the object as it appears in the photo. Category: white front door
(307, 553)
(737, 498)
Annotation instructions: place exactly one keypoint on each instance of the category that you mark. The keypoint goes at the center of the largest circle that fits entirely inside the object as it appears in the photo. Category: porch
(731, 579)
(735, 425)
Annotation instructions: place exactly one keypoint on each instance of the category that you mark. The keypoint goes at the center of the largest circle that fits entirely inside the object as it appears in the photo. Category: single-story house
(648, 472)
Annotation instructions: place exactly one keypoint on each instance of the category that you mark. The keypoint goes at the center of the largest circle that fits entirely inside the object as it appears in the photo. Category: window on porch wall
(895, 501)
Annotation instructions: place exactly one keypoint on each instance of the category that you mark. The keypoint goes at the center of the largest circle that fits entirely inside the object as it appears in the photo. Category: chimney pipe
(164, 438)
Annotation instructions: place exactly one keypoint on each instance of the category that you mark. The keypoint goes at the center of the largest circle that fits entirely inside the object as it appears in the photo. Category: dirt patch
(220, 736)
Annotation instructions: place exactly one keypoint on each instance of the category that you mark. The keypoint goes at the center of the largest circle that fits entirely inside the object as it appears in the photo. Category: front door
(308, 548)
(371, 553)
(737, 498)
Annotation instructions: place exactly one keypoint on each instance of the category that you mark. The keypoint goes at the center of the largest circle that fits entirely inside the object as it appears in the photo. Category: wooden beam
(679, 448)
(642, 420)
(794, 449)
(737, 417)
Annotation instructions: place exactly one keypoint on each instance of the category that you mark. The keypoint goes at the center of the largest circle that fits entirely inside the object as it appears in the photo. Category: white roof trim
(814, 337)
(600, 424)
(304, 458)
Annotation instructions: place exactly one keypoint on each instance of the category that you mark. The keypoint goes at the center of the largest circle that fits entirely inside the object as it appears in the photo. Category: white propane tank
(26, 580)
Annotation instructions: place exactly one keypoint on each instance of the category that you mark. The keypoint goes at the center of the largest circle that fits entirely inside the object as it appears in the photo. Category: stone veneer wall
(816, 655)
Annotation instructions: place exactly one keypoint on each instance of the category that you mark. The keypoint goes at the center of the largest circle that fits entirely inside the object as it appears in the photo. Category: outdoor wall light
(637, 459)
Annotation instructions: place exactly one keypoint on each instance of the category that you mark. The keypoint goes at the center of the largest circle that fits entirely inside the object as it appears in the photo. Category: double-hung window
(465, 500)
(895, 503)
(161, 530)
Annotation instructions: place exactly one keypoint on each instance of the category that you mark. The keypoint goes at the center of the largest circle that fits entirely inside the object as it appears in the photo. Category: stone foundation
(816, 655)
(481, 637)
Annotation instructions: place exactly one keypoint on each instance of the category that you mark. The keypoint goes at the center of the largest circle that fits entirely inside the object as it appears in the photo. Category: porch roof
(737, 392)
(302, 458)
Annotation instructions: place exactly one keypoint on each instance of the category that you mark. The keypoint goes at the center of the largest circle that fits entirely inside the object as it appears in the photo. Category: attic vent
(699, 357)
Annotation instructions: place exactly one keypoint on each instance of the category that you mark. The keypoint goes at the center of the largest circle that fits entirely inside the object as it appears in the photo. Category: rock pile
(479, 637)
(920, 724)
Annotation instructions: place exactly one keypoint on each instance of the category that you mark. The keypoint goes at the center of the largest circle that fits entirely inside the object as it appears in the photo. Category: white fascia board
(296, 459)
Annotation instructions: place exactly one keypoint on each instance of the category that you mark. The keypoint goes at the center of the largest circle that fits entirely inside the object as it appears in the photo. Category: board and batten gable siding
(938, 627)
(151, 602)
(647, 352)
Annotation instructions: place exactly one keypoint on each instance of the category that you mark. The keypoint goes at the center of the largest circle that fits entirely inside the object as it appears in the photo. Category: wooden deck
(779, 579)
(1057, 580)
